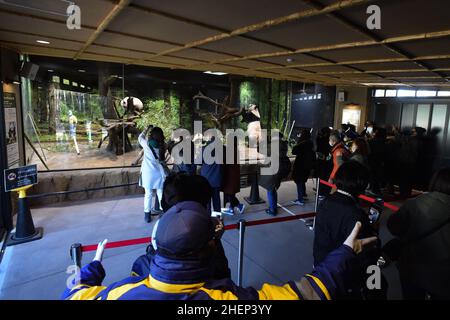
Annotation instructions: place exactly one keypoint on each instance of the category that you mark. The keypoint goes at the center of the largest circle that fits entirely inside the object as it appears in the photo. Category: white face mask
(331, 144)
(369, 130)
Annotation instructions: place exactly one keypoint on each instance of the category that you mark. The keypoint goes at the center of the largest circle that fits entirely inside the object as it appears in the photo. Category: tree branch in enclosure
(226, 113)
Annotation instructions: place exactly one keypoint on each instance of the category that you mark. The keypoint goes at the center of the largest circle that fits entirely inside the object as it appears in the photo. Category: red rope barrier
(364, 197)
(118, 244)
(147, 240)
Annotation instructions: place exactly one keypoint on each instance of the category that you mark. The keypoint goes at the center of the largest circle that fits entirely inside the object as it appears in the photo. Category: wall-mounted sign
(12, 143)
(20, 177)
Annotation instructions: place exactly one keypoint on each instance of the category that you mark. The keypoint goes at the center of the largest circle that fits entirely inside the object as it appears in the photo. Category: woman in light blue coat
(153, 173)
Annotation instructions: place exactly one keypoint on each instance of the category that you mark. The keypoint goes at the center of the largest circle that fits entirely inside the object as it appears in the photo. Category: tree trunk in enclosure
(105, 79)
(234, 97)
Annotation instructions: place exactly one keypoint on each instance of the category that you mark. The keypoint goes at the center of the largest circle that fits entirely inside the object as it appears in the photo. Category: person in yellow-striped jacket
(181, 268)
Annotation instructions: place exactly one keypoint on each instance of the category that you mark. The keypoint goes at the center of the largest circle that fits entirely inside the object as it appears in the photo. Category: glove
(100, 248)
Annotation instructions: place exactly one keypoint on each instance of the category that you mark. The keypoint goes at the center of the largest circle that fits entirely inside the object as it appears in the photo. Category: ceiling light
(174, 82)
(289, 60)
(42, 42)
(215, 73)
(81, 70)
(16, 82)
(51, 70)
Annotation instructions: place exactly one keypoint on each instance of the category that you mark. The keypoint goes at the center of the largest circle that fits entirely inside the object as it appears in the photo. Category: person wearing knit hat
(182, 267)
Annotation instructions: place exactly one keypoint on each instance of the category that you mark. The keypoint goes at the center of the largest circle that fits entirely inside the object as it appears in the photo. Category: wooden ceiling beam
(385, 71)
(339, 5)
(367, 61)
(371, 35)
(420, 36)
(54, 51)
(87, 27)
(118, 8)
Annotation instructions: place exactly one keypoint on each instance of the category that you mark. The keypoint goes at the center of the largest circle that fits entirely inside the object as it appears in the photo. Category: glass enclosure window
(406, 93)
(426, 93)
(87, 114)
(391, 93)
(407, 116)
(423, 115)
(438, 123)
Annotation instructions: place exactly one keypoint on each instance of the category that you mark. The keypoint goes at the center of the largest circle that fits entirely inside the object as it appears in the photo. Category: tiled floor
(274, 253)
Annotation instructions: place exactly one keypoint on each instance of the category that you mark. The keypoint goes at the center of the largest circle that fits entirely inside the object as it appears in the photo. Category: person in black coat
(303, 164)
(335, 217)
(422, 228)
(377, 159)
(323, 164)
(272, 182)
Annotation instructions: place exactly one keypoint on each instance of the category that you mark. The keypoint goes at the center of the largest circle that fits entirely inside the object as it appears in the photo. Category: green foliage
(161, 114)
(247, 93)
(257, 92)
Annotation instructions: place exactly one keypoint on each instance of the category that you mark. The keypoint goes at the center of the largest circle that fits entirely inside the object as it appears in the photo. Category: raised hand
(358, 245)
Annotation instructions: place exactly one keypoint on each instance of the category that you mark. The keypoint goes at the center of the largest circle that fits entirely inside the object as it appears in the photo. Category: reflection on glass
(438, 123)
(423, 115)
(407, 116)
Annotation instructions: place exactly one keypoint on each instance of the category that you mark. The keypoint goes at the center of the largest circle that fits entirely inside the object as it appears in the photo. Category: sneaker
(298, 202)
(147, 217)
(228, 211)
(241, 208)
(271, 213)
(155, 212)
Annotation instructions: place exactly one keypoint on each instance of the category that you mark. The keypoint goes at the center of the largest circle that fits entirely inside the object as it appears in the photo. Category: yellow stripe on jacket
(272, 292)
(86, 292)
(321, 286)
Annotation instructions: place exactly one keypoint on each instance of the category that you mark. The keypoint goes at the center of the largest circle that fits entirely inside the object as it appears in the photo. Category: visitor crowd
(186, 259)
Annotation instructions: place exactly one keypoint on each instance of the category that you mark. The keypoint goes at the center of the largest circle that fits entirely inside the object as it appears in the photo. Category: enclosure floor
(274, 253)
(92, 157)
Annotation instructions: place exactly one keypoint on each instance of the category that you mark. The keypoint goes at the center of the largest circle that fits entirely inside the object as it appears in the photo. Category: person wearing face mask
(153, 168)
(338, 152)
(360, 151)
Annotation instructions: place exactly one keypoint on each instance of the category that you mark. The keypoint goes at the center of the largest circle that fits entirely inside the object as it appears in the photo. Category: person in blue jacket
(182, 268)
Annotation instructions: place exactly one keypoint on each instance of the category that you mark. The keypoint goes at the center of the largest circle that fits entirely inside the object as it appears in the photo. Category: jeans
(148, 199)
(301, 190)
(272, 198)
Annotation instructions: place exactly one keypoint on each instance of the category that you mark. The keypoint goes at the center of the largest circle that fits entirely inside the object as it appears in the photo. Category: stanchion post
(76, 254)
(241, 251)
(316, 205)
